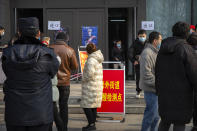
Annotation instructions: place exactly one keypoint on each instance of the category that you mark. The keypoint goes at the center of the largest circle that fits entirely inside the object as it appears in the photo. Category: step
(129, 100)
(2, 109)
(130, 109)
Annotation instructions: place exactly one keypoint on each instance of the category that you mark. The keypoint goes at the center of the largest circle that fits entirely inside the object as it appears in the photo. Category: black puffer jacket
(29, 67)
(176, 78)
(135, 50)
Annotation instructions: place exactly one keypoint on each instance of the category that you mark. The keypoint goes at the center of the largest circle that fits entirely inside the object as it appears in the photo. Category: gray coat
(55, 89)
(147, 68)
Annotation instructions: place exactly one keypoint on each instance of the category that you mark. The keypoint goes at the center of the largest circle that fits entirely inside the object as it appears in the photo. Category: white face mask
(3, 33)
(191, 31)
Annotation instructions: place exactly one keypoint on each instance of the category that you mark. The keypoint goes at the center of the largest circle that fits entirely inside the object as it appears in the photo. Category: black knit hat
(28, 23)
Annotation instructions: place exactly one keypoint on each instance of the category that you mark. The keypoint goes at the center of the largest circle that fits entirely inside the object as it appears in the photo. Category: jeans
(137, 73)
(164, 126)
(90, 114)
(61, 117)
(45, 127)
(151, 115)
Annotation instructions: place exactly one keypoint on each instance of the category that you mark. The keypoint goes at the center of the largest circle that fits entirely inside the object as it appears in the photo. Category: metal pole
(135, 22)
(15, 20)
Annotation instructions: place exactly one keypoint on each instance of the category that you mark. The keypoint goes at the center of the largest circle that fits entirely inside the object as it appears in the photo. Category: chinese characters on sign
(54, 25)
(148, 25)
(113, 92)
(89, 34)
(114, 97)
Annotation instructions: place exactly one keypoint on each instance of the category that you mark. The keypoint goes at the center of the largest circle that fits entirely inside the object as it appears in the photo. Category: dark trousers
(58, 120)
(164, 126)
(137, 73)
(61, 117)
(29, 128)
(195, 111)
(90, 114)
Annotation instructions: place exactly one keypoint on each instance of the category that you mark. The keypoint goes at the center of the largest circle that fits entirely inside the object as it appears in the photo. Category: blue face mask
(158, 46)
(142, 39)
(119, 46)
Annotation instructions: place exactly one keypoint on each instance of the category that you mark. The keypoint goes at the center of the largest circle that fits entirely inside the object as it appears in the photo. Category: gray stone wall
(166, 13)
(195, 12)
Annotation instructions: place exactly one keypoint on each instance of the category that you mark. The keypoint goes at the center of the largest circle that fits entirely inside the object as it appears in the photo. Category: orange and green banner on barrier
(83, 56)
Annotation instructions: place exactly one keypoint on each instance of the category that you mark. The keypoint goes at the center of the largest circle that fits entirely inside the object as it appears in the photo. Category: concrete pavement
(77, 121)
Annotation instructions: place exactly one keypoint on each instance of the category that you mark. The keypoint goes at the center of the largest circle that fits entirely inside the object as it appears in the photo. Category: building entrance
(120, 28)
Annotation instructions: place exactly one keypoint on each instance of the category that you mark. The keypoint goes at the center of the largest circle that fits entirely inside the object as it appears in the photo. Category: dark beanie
(28, 23)
(62, 36)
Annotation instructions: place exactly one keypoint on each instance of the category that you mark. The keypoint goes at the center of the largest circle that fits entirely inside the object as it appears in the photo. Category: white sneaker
(137, 95)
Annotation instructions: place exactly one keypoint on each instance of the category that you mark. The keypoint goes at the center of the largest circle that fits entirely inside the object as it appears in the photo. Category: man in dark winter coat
(134, 54)
(192, 40)
(176, 75)
(29, 66)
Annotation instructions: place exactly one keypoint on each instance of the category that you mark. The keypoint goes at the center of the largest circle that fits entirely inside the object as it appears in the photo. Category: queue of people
(41, 79)
(38, 78)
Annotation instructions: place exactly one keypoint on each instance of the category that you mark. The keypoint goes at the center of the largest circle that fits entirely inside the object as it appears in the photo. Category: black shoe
(194, 129)
(89, 127)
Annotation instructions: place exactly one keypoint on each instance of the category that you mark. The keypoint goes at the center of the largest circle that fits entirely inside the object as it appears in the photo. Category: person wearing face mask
(2, 33)
(147, 82)
(192, 29)
(133, 54)
(117, 53)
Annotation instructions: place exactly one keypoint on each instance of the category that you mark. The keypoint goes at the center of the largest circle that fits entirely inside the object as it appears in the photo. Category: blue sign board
(89, 34)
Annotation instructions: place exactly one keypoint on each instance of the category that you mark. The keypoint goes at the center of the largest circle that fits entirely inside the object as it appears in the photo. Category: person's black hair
(154, 36)
(181, 29)
(192, 39)
(2, 28)
(142, 31)
(63, 36)
(29, 32)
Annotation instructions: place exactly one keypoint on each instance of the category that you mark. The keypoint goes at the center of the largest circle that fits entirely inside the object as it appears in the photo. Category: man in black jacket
(29, 66)
(192, 40)
(134, 54)
(176, 75)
